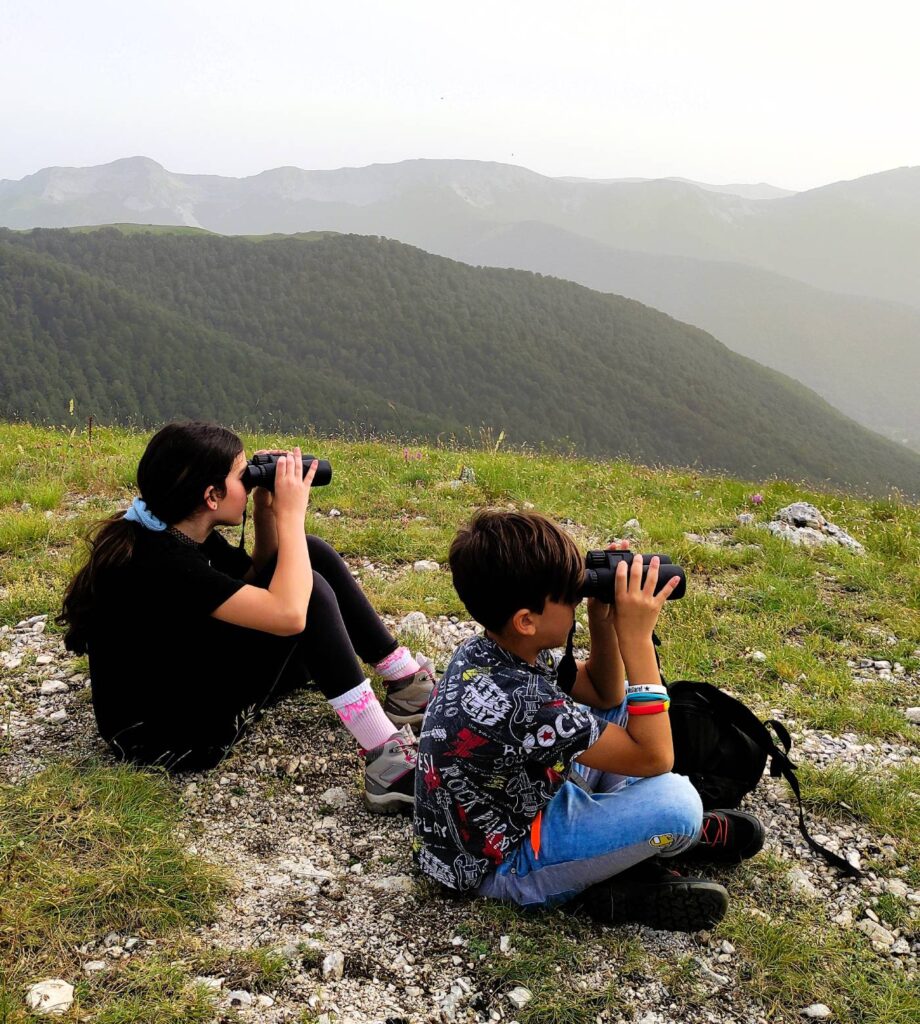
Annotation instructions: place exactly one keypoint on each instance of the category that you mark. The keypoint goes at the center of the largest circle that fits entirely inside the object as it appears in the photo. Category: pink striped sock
(363, 716)
(397, 665)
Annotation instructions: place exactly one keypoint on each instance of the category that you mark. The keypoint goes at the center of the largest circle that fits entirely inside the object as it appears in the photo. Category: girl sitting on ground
(189, 638)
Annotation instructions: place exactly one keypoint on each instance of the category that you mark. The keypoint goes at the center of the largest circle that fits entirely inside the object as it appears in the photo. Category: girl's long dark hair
(180, 462)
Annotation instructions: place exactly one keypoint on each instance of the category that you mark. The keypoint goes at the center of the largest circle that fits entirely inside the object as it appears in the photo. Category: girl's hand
(636, 609)
(292, 489)
(262, 498)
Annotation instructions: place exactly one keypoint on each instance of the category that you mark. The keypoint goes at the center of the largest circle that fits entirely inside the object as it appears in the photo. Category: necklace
(183, 538)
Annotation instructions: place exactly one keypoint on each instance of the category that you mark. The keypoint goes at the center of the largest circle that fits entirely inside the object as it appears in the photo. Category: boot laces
(715, 830)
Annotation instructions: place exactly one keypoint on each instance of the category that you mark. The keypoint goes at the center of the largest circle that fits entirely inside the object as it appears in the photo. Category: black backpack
(723, 748)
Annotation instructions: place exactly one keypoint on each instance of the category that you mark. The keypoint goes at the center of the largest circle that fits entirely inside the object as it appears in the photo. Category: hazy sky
(796, 93)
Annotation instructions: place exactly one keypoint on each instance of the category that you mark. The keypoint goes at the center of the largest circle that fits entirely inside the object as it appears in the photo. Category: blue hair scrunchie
(139, 513)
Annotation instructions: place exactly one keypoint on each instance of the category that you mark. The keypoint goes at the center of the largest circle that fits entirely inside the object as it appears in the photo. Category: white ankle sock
(397, 665)
(363, 716)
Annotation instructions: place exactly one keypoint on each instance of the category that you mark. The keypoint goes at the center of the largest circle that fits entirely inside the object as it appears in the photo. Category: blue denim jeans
(587, 837)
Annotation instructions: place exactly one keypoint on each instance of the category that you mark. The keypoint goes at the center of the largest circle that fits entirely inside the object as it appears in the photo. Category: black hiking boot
(727, 837)
(657, 897)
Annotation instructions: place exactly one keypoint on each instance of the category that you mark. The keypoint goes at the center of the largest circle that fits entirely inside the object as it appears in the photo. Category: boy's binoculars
(260, 471)
(601, 569)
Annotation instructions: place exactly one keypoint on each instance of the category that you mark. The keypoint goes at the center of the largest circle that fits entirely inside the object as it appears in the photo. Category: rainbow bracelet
(648, 709)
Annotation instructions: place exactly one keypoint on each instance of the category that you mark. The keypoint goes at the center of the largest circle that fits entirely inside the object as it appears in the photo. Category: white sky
(796, 93)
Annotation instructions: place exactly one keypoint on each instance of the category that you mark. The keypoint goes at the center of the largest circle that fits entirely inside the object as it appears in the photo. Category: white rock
(900, 947)
(334, 966)
(334, 513)
(425, 565)
(879, 935)
(414, 622)
(54, 686)
(801, 883)
(91, 966)
(393, 883)
(896, 887)
(239, 997)
(632, 525)
(39, 627)
(801, 513)
(265, 1001)
(913, 715)
(44, 659)
(58, 716)
(759, 657)
(52, 996)
(215, 984)
(335, 797)
(817, 1011)
(745, 518)
(504, 944)
(519, 997)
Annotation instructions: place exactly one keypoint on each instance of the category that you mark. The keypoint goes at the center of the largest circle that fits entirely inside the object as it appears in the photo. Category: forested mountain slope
(365, 331)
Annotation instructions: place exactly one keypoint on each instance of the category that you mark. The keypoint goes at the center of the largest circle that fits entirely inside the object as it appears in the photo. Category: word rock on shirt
(497, 739)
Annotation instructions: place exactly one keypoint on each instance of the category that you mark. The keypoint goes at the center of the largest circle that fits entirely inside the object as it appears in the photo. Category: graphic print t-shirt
(497, 739)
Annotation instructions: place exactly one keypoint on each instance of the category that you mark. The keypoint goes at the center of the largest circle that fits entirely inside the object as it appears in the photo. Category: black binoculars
(260, 471)
(601, 569)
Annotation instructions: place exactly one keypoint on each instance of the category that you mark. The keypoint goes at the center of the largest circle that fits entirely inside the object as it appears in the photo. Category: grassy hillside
(362, 331)
(90, 848)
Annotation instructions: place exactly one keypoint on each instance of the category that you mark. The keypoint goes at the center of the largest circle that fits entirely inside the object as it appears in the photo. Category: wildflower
(756, 499)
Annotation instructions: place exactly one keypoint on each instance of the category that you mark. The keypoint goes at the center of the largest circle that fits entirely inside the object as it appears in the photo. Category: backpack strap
(744, 719)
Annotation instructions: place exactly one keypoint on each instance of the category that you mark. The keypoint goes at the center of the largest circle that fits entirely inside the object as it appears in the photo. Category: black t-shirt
(152, 639)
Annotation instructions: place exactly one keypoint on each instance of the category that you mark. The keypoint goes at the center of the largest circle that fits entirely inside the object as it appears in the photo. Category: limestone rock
(334, 966)
(519, 997)
(52, 996)
(817, 1011)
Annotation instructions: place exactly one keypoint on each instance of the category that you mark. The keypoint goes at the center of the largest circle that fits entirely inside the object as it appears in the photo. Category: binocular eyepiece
(601, 569)
(260, 471)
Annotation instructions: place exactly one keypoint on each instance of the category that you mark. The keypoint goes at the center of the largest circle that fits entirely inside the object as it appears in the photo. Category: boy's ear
(522, 622)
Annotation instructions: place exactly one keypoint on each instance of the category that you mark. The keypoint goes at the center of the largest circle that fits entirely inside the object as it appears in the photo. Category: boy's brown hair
(504, 561)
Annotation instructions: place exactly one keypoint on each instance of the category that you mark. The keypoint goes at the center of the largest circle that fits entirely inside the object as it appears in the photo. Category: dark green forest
(356, 332)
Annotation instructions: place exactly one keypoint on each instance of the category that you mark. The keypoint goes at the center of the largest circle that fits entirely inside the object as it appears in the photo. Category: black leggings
(243, 670)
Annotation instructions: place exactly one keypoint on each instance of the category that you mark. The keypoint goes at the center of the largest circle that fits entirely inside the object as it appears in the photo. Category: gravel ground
(318, 876)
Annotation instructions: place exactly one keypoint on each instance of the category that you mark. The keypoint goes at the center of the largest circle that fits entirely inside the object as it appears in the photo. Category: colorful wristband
(641, 698)
(647, 688)
(648, 709)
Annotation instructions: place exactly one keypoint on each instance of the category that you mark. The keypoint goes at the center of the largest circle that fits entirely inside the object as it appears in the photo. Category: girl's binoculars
(260, 471)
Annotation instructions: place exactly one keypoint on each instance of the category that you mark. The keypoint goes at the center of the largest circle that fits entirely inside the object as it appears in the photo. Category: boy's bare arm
(601, 680)
(644, 747)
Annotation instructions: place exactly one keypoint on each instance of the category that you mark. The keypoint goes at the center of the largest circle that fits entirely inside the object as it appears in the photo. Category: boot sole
(678, 906)
(388, 803)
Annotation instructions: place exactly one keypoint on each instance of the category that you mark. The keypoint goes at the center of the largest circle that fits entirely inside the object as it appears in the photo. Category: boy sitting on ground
(494, 812)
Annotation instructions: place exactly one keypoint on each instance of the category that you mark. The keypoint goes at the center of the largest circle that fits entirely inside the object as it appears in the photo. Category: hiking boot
(389, 774)
(657, 897)
(406, 699)
(727, 837)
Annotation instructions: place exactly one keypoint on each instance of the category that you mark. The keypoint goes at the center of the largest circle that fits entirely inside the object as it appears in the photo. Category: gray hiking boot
(406, 699)
(389, 774)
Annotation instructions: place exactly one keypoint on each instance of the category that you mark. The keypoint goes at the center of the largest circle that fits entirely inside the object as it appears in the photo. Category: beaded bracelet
(648, 709)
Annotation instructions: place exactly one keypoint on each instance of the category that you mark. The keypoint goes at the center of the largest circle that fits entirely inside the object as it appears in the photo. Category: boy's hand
(636, 608)
(599, 612)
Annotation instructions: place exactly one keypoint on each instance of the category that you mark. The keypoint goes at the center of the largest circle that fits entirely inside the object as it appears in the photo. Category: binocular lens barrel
(601, 570)
(260, 471)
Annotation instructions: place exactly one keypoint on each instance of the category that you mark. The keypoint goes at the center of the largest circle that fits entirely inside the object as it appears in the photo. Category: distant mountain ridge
(861, 237)
(815, 284)
(365, 333)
